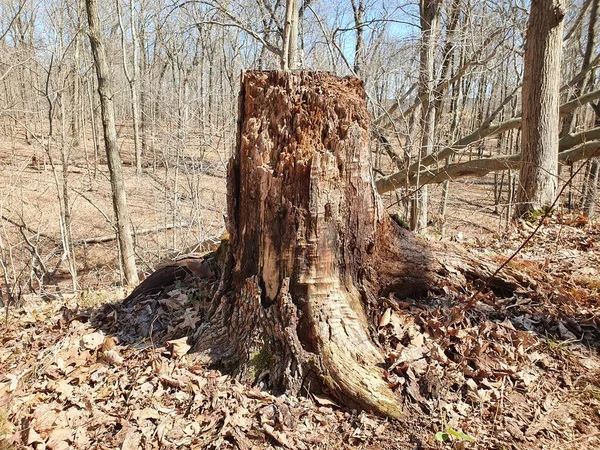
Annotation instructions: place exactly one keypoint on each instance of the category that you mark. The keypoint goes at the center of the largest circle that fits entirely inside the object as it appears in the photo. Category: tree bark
(429, 14)
(312, 247)
(110, 142)
(538, 177)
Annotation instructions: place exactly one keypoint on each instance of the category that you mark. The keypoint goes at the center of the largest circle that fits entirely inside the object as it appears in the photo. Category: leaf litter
(518, 372)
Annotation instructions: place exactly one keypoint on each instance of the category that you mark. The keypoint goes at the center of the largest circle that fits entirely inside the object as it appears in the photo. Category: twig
(473, 298)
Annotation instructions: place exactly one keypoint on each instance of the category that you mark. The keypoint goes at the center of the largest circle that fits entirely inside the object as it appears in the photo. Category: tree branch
(481, 167)
(398, 179)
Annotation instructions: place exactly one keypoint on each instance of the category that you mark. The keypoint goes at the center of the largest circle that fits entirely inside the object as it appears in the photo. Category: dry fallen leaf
(143, 414)
(93, 340)
(58, 438)
(322, 400)
(179, 347)
(109, 343)
(33, 437)
(112, 357)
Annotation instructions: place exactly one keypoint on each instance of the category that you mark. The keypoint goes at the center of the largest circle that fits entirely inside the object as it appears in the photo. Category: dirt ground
(86, 370)
(181, 193)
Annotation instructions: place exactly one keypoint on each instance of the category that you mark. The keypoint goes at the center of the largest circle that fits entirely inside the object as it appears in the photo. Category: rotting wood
(312, 248)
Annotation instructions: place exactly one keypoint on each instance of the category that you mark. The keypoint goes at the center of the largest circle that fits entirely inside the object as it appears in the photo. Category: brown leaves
(80, 386)
(511, 372)
(495, 364)
(179, 347)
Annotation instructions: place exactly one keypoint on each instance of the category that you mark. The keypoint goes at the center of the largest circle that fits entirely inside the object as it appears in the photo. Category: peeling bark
(312, 247)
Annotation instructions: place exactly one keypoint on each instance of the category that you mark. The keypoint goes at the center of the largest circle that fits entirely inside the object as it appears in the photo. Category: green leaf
(460, 435)
(442, 436)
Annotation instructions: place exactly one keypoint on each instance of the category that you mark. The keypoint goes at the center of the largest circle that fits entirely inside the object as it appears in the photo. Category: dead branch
(113, 237)
(31, 230)
(481, 167)
(398, 179)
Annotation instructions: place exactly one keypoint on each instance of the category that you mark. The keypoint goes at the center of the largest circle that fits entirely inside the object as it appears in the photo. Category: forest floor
(89, 371)
(514, 372)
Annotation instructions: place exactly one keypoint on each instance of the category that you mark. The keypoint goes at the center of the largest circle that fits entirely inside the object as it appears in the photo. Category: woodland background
(471, 364)
(175, 70)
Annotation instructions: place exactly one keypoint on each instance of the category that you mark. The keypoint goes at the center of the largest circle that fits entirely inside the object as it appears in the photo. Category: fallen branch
(398, 179)
(31, 230)
(481, 167)
(571, 140)
(113, 237)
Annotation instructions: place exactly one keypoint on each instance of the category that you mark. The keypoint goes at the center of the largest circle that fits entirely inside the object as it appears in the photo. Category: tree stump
(311, 244)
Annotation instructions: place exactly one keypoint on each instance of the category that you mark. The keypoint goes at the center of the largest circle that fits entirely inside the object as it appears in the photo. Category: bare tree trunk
(591, 194)
(538, 177)
(312, 247)
(429, 13)
(76, 89)
(66, 208)
(585, 64)
(110, 142)
(132, 78)
(289, 54)
(62, 186)
(146, 81)
(358, 8)
(94, 126)
(590, 183)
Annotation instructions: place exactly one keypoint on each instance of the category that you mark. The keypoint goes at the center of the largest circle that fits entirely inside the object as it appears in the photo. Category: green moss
(535, 215)
(400, 221)
(262, 361)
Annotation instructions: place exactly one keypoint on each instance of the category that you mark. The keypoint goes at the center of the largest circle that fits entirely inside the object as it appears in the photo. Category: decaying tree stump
(311, 244)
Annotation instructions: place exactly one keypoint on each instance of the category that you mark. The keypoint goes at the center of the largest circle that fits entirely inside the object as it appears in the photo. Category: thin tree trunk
(289, 54)
(132, 78)
(591, 195)
(94, 125)
(146, 77)
(590, 184)
(110, 141)
(587, 55)
(76, 92)
(358, 8)
(66, 208)
(429, 13)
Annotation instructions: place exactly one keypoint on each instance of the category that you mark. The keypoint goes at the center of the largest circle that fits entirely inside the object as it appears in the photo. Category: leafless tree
(538, 177)
(122, 217)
